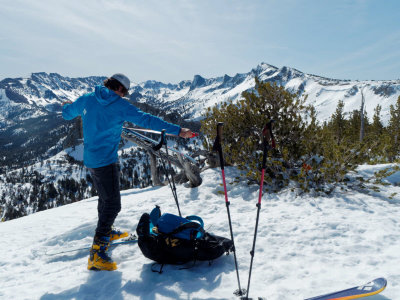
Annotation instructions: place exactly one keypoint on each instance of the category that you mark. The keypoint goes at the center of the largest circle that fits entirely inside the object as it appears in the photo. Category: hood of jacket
(105, 96)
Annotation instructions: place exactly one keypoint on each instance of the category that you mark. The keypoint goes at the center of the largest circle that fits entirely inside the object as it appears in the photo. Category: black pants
(106, 182)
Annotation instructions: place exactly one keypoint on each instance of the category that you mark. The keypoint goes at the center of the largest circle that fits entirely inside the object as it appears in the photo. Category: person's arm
(135, 115)
(186, 133)
(71, 109)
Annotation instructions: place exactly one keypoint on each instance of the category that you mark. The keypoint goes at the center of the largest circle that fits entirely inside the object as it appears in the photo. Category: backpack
(170, 239)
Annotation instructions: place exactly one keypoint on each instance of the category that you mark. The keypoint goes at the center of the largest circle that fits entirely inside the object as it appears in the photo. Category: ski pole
(171, 181)
(194, 134)
(218, 147)
(267, 134)
(132, 132)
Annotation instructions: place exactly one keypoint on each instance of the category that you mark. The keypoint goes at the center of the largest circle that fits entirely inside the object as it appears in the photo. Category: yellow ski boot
(117, 234)
(98, 258)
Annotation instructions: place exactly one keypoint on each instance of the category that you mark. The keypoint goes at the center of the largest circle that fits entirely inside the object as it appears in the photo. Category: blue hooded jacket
(103, 113)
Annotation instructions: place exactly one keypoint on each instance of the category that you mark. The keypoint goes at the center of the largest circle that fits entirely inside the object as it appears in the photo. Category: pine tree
(377, 125)
(51, 191)
(394, 130)
(312, 134)
(42, 201)
(337, 122)
(357, 123)
(379, 139)
(245, 119)
(362, 117)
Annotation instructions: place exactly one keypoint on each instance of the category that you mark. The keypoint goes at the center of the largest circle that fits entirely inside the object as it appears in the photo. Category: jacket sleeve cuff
(179, 130)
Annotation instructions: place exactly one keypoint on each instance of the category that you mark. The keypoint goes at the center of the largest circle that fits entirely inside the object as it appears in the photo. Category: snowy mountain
(191, 98)
(305, 246)
(32, 129)
(42, 93)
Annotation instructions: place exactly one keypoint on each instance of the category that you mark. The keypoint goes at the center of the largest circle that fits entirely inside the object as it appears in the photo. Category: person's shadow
(189, 278)
(173, 283)
(99, 285)
(201, 276)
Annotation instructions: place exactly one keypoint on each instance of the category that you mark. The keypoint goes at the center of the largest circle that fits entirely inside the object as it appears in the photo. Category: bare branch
(190, 171)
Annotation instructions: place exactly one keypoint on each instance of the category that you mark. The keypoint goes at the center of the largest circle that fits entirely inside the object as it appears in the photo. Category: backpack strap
(155, 215)
(190, 225)
(187, 228)
(197, 219)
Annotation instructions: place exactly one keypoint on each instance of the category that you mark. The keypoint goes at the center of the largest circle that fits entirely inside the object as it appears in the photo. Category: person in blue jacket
(103, 113)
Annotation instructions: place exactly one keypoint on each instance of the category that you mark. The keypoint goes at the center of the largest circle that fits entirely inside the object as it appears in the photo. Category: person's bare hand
(186, 133)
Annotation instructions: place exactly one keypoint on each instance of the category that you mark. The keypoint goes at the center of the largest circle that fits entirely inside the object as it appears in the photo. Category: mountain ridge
(48, 90)
(30, 105)
(32, 129)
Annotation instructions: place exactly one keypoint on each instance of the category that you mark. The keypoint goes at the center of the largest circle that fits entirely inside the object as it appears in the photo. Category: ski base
(371, 288)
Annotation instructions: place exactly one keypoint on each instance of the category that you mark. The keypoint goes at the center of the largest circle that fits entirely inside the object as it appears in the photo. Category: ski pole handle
(267, 133)
(271, 135)
(219, 131)
(218, 144)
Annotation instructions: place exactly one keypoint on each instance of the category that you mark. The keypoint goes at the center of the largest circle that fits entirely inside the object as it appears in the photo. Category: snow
(77, 153)
(305, 246)
(19, 131)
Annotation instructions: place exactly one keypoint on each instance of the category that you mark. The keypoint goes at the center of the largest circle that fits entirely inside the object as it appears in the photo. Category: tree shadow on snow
(135, 191)
(68, 256)
(78, 233)
(178, 283)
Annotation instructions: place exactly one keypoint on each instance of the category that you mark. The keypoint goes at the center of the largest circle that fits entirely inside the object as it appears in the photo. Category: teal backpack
(170, 239)
(189, 228)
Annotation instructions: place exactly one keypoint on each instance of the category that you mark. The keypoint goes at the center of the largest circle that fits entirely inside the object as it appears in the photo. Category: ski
(159, 132)
(128, 240)
(371, 288)
(143, 137)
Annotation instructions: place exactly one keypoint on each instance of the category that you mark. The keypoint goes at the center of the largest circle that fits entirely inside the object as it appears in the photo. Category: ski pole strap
(218, 144)
(268, 134)
(161, 143)
(271, 133)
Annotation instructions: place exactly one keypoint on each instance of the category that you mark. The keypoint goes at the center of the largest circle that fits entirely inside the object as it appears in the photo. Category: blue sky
(171, 41)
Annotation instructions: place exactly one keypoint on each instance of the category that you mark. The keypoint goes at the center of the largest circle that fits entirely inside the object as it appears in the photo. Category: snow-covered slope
(305, 246)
